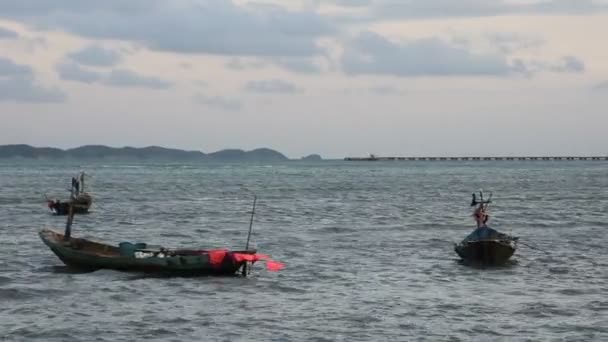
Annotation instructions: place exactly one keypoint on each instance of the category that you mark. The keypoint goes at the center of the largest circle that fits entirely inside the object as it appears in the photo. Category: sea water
(368, 248)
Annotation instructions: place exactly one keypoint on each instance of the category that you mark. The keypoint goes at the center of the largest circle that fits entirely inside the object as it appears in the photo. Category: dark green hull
(486, 252)
(90, 256)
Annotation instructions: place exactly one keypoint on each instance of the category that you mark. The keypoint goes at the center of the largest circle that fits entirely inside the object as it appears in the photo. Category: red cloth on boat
(216, 256)
(271, 265)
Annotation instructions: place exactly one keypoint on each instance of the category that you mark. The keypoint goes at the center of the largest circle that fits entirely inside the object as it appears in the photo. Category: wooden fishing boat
(87, 255)
(485, 245)
(487, 251)
(79, 200)
(80, 203)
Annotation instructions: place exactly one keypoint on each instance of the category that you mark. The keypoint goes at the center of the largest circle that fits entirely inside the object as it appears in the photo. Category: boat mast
(255, 198)
(251, 222)
(68, 226)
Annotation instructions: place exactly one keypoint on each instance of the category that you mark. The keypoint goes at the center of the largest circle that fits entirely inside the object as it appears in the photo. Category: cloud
(300, 65)
(207, 26)
(370, 53)
(601, 86)
(116, 78)
(305, 65)
(127, 78)
(352, 3)
(414, 9)
(17, 83)
(238, 63)
(569, 64)
(8, 68)
(73, 72)
(8, 34)
(96, 56)
(507, 42)
(25, 90)
(385, 90)
(271, 86)
(218, 102)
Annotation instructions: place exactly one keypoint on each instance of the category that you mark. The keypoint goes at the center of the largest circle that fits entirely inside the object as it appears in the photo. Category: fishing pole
(255, 198)
(488, 202)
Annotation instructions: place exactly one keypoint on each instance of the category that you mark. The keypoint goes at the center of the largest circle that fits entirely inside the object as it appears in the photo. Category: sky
(333, 77)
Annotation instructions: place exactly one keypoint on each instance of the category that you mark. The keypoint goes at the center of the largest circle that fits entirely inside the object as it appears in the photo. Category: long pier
(570, 158)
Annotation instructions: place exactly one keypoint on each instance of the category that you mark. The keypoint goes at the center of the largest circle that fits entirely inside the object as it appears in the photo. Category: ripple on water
(544, 310)
(17, 294)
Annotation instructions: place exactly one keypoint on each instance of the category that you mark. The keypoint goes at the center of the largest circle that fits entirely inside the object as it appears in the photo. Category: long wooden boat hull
(486, 252)
(87, 255)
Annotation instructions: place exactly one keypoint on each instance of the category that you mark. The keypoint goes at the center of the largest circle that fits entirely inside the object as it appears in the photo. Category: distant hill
(145, 153)
(151, 152)
(312, 157)
(27, 151)
(260, 154)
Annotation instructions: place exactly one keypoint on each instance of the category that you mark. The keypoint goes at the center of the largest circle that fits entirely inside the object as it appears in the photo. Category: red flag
(274, 266)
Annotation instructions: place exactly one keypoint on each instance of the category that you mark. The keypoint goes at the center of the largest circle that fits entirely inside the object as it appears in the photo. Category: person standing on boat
(481, 216)
(75, 187)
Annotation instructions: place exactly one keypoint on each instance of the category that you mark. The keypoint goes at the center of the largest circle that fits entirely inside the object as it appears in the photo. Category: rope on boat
(533, 247)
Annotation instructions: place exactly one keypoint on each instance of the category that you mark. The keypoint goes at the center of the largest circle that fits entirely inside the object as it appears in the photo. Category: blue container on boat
(128, 249)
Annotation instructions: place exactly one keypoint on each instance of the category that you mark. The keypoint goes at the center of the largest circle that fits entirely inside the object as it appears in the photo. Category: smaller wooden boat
(87, 255)
(80, 203)
(495, 249)
(79, 200)
(485, 245)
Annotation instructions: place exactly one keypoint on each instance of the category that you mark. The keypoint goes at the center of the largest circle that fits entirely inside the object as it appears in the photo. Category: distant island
(312, 157)
(144, 153)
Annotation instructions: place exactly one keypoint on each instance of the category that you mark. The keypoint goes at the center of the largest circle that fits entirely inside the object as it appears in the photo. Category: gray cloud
(569, 64)
(8, 68)
(370, 53)
(271, 86)
(8, 34)
(507, 42)
(238, 63)
(25, 90)
(17, 83)
(300, 65)
(73, 72)
(352, 3)
(305, 65)
(480, 8)
(218, 102)
(126, 78)
(96, 56)
(116, 78)
(181, 26)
